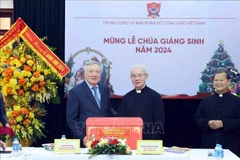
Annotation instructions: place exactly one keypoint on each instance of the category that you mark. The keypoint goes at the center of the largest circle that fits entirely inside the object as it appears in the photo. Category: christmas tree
(220, 60)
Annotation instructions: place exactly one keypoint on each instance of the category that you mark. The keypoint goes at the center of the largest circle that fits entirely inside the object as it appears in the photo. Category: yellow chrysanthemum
(18, 74)
(16, 63)
(19, 118)
(9, 114)
(31, 115)
(46, 72)
(13, 82)
(27, 94)
(34, 68)
(39, 67)
(42, 90)
(30, 62)
(16, 108)
(1, 70)
(29, 84)
(1, 83)
(33, 79)
(26, 73)
(18, 126)
(4, 90)
(23, 59)
(38, 96)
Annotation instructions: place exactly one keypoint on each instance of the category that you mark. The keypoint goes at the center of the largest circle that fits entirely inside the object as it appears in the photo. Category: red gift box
(124, 128)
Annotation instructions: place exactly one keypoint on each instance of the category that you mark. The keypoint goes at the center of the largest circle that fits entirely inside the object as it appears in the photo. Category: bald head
(139, 67)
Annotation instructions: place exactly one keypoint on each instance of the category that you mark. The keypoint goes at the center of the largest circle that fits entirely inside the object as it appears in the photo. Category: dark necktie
(96, 96)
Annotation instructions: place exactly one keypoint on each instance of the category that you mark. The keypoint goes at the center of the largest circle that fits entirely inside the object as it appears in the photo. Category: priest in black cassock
(144, 102)
(219, 116)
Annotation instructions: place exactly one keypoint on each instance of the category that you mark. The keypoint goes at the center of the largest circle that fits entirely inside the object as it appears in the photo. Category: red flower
(94, 143)
(113, 141)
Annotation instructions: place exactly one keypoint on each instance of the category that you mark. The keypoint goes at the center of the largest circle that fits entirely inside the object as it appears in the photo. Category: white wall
(6, 4)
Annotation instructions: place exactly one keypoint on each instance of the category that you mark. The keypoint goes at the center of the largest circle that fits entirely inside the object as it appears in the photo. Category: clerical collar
(140, 91)
(221, 94)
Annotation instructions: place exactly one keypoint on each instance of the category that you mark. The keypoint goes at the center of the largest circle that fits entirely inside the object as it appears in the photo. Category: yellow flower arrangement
(26, 83)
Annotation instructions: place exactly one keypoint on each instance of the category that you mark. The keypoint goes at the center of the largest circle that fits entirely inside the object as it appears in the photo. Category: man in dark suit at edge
(88, 99)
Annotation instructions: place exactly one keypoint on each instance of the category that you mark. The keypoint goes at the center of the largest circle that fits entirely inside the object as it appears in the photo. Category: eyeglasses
(140, 76)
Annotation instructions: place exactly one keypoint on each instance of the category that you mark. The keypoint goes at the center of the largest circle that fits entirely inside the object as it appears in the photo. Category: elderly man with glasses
(144, 102)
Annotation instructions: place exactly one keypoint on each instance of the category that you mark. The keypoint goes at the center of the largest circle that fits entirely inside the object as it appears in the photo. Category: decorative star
(221, 41)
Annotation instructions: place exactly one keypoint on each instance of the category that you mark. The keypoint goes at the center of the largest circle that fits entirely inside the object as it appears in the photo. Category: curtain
(47, 18)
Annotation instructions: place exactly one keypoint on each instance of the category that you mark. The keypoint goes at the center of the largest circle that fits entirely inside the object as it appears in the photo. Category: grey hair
(92, 63)
(139, 66)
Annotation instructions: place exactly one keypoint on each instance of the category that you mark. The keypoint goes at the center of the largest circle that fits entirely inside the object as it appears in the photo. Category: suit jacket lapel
(89, 93)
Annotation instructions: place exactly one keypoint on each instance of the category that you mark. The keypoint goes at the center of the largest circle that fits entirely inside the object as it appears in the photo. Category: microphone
(234, 72)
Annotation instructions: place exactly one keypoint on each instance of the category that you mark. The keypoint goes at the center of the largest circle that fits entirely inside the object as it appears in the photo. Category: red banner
(20, 29)
(15, 30)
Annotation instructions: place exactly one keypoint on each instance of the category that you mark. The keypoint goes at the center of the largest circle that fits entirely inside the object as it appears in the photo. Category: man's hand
(84, 141)
(215, 124)
(210, 123)
(2, 145)
(7, 125)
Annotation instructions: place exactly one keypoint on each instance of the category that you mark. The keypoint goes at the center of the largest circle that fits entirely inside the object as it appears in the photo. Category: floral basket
(26, 82)
(108, 146)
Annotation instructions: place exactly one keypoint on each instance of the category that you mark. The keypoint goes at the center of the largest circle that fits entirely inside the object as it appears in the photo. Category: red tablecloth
(6, 130)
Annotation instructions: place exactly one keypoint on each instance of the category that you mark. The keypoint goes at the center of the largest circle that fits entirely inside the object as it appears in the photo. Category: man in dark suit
(3, 117)
(88, 99)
